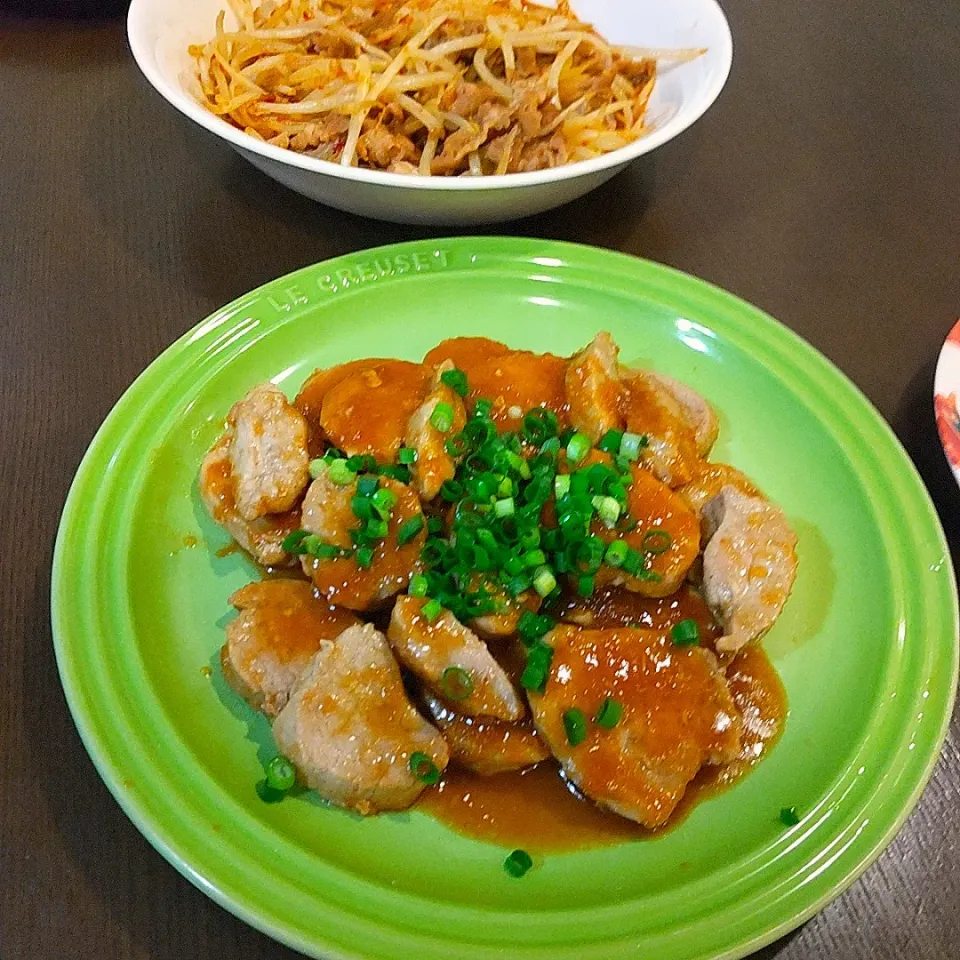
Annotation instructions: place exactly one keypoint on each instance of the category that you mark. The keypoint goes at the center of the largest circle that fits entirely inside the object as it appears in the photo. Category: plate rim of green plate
(488, 251)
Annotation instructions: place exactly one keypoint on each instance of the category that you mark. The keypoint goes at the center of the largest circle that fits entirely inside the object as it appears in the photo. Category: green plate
(866, 647)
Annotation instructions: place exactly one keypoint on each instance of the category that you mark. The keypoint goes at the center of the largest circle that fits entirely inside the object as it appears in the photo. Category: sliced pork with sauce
(593, 388)
(452, 661)
(328, 514)
(652, 411)
(268, 453)
(465, 353)
(613, 607)
(667, 535)
(261, 538)
(434, 463)
(351, 730)
(749, 565)
(695, 410)
(709, 480)
(298, 651)
(503, 623)
(367, 411)
(280, 626)
(486, 745)
(677, 716)
(514, 381)
(309, 401)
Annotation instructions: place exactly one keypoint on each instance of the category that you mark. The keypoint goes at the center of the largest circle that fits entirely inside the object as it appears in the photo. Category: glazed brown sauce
(536, 810)
(656, 507)
(368, 411)
(645, 412)
(216, 481)
(340, 580)
(291, 619)
(611, 607)
(218, 478)
(515, 381)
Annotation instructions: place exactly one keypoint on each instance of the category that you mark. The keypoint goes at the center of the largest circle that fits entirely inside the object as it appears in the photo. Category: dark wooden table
(824, 186)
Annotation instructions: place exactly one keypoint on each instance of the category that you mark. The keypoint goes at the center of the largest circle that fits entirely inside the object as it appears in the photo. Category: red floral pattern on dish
(948, 423)
(954, 335)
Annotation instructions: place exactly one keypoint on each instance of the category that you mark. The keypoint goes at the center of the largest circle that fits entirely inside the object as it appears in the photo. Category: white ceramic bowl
(161, 30)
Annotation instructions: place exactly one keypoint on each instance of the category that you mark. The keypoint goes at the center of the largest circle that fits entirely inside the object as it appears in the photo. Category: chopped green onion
(551, 447)
(442, 417)
(383, 502)
(561, 485)
(534, 558)
(518, 464)
(518, 863)
(544, 581)
(656, 541)
(506, 488)
(456, 683)
(400, 473)
(537, 670)
(281, 774)
(434, 525)
(456, 380)
(310, 544)
(538, 490)
(451, 490)
(531, 626)
(610, 441)
(519, 584)
(578, 447)
(575, 725)
(435, 552)
(406, 455)
(631, 444)
(340, 473)
(317, 467)
(530, 539)
(504, 507)
(573, 525)
(789, 816)
(600, 478)
(424, 769)
(616, 553)
(686, 633)
(632, 561)
(362, 463)
(362, 507)
(650, 575)
(377, 529)
(539, 425)
(431, 610)
(482, 408)
(418, 585)
(609, 714)
(326, 551)
(367, 486)
(292, 541)
(409, 529)
(587, 556)
(364, 558)
(585, 586)
(457, 445)
(608, 510)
